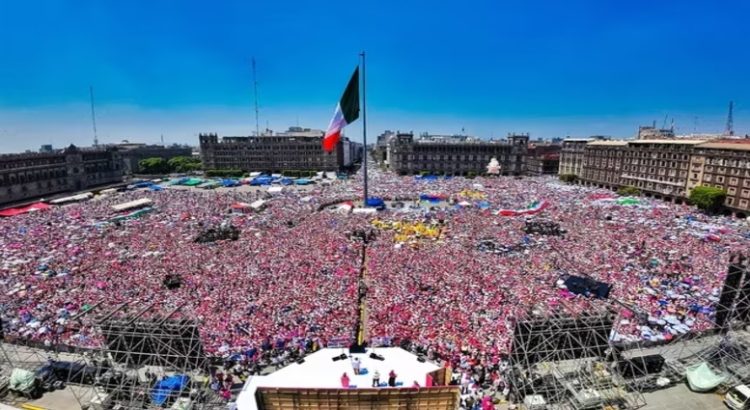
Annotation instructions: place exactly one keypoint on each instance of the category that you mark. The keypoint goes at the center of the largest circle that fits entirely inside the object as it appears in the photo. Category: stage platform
(319, 371)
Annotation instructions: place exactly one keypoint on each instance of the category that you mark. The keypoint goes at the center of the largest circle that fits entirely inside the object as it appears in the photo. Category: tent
(258, 205)
(287, 181)
(138, 203)
(21, 380)
(275, 189)
(261, 180)
(230, 182)
(156, 188)
(169, 386)
(39, 206)
(135, 214)
(375, 202)
(702, 379)
(75, 198)
(303, 181)
(192, 182)
(433, 197)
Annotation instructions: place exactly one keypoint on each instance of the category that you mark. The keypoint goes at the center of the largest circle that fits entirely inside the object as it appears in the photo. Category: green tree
(184, 164)
(153, 165)
(708, 198)
(629, 191)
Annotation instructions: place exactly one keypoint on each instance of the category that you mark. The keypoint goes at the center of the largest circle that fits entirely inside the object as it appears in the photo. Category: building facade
(455, 155)
(658, 167)
(602, 163)
(132, 154)
(35, 175)
(543, 158)
(571, 156)
(723, 164)
(295, 149)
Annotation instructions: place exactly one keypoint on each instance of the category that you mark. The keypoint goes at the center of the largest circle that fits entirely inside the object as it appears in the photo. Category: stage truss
(565, 360)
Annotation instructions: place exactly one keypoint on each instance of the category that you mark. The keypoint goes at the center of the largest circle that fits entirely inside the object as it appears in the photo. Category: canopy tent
(138, 203)
(168, 387)
(135, 214)
(275, 189)
(21, 380)
(702, 379)
(192, 182)
(75, 198)
(209, 185)
(39, 206)
(303, 181)
(375, 202)
(156, 187)
(261, 180)
(433, 197)
(258, 205)
(143, 184)
(230, 182)
(286, 181)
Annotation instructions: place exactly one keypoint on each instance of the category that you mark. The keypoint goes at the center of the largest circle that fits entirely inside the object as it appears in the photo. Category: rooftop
(668, 141)
(619, 143)
(320, 371)
(737, 144)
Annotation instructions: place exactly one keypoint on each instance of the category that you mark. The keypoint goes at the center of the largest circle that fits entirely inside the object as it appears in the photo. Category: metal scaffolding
(565, 360)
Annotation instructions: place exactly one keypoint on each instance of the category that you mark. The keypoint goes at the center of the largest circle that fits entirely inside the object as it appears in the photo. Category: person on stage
(376, 379)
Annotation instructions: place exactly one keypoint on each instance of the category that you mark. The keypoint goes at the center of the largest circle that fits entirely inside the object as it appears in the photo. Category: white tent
(75, 198)
(258, 205)
(275, 189)
(138, 203)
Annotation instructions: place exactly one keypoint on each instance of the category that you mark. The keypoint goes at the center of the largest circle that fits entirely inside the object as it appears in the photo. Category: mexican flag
(347, 111)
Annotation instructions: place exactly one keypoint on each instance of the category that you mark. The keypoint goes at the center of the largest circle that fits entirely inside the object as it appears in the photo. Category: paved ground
(679, 397)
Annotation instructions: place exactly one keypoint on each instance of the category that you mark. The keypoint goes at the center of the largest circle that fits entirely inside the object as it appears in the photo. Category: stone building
(571, 156)
(455, 155)
(723, 164)
(296, 149)
(602, 163)
(34, 175)
(543, 158)
(658, 167)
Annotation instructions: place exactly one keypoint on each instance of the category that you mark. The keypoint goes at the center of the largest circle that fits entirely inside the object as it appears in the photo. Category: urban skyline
(553, 70)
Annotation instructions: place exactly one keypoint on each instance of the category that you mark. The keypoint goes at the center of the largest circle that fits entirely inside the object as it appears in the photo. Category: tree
(629, 191)
(569, 178)
(708, 198)
(153, 165)
(184, 164)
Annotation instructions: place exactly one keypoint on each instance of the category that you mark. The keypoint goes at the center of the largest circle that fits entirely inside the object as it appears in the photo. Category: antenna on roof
(255, 89)
(730, 120)
(162, 140)
(93, 115)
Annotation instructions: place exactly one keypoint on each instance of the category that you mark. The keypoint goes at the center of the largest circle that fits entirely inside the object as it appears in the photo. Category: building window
(732, 191)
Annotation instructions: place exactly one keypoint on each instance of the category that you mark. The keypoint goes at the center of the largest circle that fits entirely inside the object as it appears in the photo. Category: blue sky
(551, 68)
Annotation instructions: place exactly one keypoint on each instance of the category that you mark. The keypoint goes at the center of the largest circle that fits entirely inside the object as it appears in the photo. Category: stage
(320, 371)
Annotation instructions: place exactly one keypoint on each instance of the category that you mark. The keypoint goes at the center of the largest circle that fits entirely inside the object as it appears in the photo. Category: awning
(138, 203)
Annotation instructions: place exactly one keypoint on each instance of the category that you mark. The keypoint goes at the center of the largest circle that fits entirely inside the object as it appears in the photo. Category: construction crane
(730, 120)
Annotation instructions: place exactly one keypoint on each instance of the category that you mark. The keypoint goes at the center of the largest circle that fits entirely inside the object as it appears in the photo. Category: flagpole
(364, 122)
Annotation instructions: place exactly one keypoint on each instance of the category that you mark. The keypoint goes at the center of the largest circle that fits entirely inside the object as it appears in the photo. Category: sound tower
(729, 294)
(742, 312)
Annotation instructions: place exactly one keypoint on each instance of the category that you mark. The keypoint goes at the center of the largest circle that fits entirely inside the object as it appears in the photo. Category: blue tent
(286, 181)
(167, 387)
(261, 180)
(144, 184)
(229, 182)
(375, 202)
(302, 181)
(156, 188)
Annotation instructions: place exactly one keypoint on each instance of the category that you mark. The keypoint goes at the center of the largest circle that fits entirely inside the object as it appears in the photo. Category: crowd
(290, 283)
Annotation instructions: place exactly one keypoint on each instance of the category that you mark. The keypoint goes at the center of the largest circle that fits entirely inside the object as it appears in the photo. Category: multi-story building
(543, 158)
(602, 163)
(650, 132)
(658, 167)
(133, 153)
(34, 175)
(723, 164)
(571, 156)
(296, 149)
(455, 155)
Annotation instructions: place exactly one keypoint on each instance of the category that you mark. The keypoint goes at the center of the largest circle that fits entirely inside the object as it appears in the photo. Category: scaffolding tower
(725, 346)
(565, 360)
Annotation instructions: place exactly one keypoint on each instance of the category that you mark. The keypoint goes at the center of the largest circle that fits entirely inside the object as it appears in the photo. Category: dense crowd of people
(289, 283)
